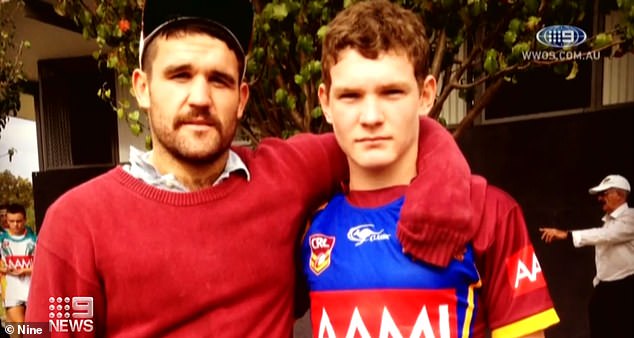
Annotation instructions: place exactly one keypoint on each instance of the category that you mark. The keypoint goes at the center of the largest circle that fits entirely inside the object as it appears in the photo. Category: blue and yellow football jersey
(362, 285)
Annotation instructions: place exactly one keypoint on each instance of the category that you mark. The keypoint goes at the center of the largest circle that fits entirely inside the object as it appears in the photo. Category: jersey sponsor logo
(384, 313)
(365, 233)
(524, 271)
(19, 262)
(320, 252)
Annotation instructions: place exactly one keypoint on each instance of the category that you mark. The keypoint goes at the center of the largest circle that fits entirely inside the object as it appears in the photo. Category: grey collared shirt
(142, 168)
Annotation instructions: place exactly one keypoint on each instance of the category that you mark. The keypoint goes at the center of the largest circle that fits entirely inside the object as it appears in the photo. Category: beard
(196, 149)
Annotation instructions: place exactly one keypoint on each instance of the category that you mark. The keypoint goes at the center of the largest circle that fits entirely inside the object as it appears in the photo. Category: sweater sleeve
(310, 166)
(64, 282)
(435, 222)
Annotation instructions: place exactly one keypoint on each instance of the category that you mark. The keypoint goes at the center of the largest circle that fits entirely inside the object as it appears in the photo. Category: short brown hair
(373, 27)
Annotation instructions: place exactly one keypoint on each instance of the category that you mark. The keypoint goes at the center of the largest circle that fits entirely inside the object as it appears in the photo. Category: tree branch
(439, 55)
(440, 101)
(486, 98)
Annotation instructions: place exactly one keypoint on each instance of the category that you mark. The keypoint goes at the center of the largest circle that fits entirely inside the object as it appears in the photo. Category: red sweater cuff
(433, 244)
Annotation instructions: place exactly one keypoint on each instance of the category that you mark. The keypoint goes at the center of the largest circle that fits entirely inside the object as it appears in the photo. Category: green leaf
(321, 32)
(491, 65)
(280, 96)
(602, 40)
(134, 116)
(60, 8)
(316, 113)
(291, 102)
(148, 142)
(515, 25)
(279, 12)
(299, 79)
(135, 128)
(113, 61)
(533, 23)
(510, 37)
(518, 49)
(314, 67)
(573, 71)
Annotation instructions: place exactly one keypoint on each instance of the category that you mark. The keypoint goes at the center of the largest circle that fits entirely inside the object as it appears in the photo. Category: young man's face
(374, 106)
(16, 223)
(194, 97)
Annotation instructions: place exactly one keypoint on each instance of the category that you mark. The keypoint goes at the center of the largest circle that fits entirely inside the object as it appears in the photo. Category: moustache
(197, 117)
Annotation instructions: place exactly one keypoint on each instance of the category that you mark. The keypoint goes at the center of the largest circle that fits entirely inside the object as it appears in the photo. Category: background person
(611, 307)
(18, 248)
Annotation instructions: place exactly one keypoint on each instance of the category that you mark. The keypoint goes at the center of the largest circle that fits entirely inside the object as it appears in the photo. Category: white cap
(611, 181)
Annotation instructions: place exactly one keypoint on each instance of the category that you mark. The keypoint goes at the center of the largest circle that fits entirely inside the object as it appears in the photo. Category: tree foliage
(15, 189)
(477, 45)
(12, 76)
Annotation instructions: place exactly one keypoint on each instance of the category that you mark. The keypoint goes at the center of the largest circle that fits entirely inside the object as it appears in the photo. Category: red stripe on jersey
(384, 313)
(524, 271)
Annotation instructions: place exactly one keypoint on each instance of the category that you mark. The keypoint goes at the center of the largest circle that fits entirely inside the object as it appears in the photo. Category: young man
(614, 259)
(18, 247)
(376, 86)
(205, 235)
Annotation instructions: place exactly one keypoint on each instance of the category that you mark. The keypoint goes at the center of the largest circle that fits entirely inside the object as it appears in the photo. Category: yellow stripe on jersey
(471, 305)
(527, 325)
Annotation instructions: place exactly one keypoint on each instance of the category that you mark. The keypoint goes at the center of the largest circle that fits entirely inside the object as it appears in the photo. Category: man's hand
(551, 234)
(20, 272)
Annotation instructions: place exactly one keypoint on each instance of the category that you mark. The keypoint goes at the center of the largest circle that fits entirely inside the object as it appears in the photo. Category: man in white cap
(611, 307)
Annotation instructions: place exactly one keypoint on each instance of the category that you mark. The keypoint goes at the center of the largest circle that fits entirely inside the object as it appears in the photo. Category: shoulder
(499, 196)
(299, 144)
(627, 214)
(30, 234)
(501, 219)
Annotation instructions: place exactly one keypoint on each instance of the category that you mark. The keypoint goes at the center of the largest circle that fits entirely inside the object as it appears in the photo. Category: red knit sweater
(215, 263)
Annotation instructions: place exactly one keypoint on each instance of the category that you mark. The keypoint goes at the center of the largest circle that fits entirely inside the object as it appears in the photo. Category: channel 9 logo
(71, 314)
(561, 36)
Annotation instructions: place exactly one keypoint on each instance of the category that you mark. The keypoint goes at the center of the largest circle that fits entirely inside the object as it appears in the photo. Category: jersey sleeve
(515, 297)
(63, 275)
